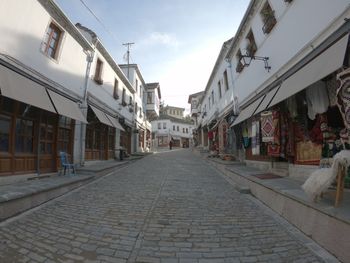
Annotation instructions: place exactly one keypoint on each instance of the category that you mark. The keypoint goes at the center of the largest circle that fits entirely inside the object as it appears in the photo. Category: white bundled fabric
(322, 178)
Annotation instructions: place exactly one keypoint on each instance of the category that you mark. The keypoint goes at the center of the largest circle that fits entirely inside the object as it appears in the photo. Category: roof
(154, 85)
(194, 95)
(173, 119)
(173, 107)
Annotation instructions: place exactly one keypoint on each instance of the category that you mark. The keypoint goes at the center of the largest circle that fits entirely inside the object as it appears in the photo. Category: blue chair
(65, 164)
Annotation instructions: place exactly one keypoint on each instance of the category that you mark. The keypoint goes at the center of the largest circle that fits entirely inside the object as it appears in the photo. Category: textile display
(267, 130)
(332, 91)
(343, 96)
(210, 135)
(274, 147)
(308, 152)
(246, 139)
(317, 99)
(284, 135)
(255, 138)
(292, 107)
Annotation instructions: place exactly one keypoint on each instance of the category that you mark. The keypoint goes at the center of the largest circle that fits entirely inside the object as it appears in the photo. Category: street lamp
(247, 59)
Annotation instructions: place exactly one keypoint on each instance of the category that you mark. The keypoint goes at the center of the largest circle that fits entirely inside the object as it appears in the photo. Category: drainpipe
(84, 106)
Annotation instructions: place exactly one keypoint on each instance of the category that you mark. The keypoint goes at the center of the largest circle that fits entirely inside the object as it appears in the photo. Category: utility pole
(128, 45)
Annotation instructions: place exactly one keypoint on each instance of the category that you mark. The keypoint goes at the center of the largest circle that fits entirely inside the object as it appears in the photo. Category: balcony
(194, 112)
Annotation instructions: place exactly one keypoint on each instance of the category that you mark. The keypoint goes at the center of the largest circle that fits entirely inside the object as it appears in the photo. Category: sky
(176, 41)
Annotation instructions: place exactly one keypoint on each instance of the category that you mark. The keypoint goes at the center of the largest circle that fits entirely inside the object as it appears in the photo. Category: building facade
(167, 128)
(282, 87)
(60, 91)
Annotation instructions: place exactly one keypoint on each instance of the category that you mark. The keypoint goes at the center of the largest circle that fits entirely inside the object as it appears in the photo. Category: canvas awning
(248, 111)
(266, 101)
(327, 62)
(101, 116)
(18, 87)
(115, 122)
(66, 107)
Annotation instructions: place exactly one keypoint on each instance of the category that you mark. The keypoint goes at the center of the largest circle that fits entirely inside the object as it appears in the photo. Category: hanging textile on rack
(274, 147)
(267, 130)
(317, 99)
(255, 138)
(343, 96)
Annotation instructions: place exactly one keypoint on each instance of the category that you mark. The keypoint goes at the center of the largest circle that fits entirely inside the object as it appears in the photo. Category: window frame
(98, 71)
(115, 89)
(47, 40)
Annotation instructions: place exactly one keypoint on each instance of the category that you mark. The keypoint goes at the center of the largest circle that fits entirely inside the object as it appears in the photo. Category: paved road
(168, 207)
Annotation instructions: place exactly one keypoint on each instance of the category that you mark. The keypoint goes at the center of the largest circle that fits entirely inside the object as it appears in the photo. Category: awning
(101, 116)
(115, 122)
(247, 112)
(66, 107)
(326, 63)
(18, 87)
(267, 99)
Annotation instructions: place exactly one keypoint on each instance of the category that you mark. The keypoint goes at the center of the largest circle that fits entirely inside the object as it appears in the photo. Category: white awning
(18, 87)
(115, 122)
(248, 111)
(66, 107)
(101, 116)
(326, 63)
(263, 105)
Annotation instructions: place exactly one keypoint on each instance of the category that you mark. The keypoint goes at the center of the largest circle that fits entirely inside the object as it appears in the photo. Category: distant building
(172, 111)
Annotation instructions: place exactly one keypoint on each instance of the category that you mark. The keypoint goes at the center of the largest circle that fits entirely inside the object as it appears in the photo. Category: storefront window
(6, 105)
(5, 122)
(111, 138)
(65, 134)
(47, 134)
(24, 136)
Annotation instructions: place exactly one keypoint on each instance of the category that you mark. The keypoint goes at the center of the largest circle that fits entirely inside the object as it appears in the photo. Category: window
(140, 91)
(149, 98)
(123, 98)
(186, 130)
(130, 100)
(178, 128)
(209, 102)
(24, 135)
(47, 135)
(111, 138)
(98, 72)
(219, 88)
(173, 127)
(136, 108)
(212, 97)
(164, 125)
(5, 124)
(159, 125)
(226, 80)
(239, 66)
(65, 134)
(268, 17)
(52, 41)
(183, 130)
(136, 85)
(115, 91)
(251, 48)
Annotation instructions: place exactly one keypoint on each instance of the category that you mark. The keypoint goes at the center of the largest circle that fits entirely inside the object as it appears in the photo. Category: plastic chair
(65, 164)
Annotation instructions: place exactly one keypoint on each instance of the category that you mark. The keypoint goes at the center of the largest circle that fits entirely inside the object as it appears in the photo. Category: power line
(99, 20)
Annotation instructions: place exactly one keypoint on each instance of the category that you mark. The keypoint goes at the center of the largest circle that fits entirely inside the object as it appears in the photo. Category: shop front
(35, 124)
(100, 135)
(303, 119)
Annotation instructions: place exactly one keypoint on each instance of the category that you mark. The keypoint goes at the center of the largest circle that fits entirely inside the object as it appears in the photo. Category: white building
(60, 91)
(167, 128)
(153, 100)
(142, 136)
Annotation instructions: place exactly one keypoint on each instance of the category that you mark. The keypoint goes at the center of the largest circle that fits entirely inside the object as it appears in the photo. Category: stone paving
(168, 207)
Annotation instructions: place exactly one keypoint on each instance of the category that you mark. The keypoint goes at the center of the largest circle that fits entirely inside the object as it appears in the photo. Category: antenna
(128, 45)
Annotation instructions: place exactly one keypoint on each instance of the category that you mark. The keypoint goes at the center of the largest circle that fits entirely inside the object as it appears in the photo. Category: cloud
(159, 38)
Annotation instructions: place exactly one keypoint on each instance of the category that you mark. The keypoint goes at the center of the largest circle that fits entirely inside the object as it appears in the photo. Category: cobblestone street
(167, 207)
